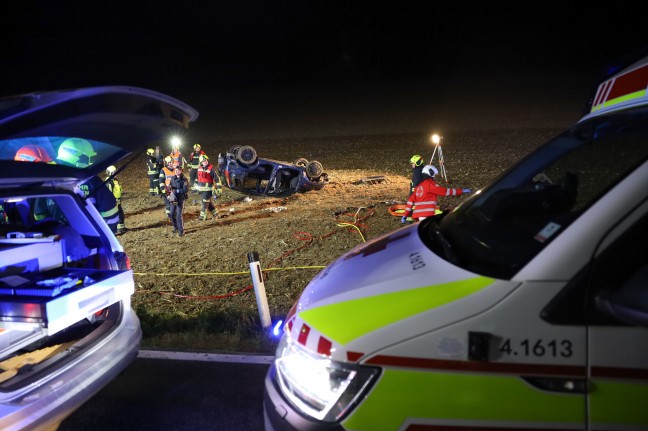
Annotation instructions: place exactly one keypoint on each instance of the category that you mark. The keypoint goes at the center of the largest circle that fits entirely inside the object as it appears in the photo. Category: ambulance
(524, 308)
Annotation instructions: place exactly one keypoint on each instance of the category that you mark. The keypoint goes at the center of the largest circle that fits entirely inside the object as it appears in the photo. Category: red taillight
(123, 261)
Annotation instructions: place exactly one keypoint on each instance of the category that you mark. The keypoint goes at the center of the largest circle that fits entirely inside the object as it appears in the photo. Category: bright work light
(176, 141)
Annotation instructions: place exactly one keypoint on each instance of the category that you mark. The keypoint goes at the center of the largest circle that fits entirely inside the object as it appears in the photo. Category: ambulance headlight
(318, 386)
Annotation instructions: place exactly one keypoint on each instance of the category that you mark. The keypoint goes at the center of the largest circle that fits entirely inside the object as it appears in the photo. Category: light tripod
(438, 151)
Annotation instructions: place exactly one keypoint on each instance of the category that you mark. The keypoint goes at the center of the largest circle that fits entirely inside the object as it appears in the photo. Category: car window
(613, 270)
(498, 231)
(60, 150)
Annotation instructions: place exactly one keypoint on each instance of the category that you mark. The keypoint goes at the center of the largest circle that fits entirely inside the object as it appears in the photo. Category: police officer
(153, 172)
(208, 183)
(178, 187)
(115, 187)
(194, 164)
(164, 178)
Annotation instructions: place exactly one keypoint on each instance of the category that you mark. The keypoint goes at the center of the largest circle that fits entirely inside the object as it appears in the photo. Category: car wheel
(314, 170)
(234, 150)
(246, 155)
(301, 162)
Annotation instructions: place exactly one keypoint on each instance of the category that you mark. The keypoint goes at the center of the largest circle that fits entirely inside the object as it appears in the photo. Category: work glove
(466, 191)
(218, 191)
(403, 219)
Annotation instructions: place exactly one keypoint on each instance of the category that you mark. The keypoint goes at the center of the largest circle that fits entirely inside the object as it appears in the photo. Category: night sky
(216, 47)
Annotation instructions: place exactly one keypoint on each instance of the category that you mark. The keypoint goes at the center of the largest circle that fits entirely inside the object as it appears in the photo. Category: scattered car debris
(377, 179)
(274, 209)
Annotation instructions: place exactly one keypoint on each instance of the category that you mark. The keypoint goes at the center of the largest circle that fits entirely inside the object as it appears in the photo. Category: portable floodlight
(436, 140)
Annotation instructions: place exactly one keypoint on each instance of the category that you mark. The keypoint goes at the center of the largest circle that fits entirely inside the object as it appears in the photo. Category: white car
(524, 308)
(66, 324)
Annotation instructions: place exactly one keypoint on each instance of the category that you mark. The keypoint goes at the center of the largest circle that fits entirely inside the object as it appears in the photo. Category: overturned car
(242, 170)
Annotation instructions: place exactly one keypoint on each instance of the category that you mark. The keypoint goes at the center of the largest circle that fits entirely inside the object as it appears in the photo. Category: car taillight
(123, 261)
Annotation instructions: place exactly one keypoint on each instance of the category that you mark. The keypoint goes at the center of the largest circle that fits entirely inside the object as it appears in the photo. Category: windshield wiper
(443, 244)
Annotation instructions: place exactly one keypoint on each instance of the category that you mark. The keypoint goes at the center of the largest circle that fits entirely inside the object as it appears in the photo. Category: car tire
(301, 162)
(234, 150)
(246, 155)
(314, 170)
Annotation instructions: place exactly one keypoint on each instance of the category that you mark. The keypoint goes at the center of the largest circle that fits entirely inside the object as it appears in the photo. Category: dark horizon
(219, 45)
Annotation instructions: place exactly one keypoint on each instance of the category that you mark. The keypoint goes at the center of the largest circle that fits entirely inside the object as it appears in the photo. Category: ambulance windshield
(499, 230)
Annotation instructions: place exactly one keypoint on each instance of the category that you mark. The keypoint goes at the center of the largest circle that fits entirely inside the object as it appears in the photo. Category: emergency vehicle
(524, 308)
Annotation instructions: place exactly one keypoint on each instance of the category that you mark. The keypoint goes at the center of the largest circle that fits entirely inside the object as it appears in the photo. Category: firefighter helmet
(150, 151)
(76, 152)
(168, 160)
(196, 147)
(32, 153)
(416, 160)
(430, 170)
(110, 171)
(203, 158)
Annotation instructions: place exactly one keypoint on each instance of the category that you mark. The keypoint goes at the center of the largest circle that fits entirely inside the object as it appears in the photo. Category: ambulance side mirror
(629, 303)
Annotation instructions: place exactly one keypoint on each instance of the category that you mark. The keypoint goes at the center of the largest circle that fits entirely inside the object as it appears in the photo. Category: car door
(618, 327)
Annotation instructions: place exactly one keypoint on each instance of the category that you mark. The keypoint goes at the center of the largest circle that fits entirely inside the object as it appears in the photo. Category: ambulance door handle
(479, 346)
(558, 384)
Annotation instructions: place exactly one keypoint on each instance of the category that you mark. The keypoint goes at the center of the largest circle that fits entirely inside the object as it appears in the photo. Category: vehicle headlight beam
(318, 386)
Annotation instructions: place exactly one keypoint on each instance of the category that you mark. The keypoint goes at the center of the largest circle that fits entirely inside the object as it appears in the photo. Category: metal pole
(259, 289)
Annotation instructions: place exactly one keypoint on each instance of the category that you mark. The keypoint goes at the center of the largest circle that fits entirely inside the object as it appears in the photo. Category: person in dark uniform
(416, 162)
(178, 186)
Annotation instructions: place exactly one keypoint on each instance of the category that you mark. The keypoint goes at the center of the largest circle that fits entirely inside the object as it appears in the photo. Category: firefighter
(194, 164)
(416, 162)
(426, 195)
(178, 188)
(208, 183)
(80, 153)
(164, 178)
(176, 155)
(113, 185)
(153, 172)
(96, 191)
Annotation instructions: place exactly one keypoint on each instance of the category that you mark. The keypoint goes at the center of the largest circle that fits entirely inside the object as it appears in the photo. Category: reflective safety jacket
(425, 197)
(102, 198)
(194, 159)
(207, 179)
(178, 160)
(165, 177)
(114, 186)
(152, 165)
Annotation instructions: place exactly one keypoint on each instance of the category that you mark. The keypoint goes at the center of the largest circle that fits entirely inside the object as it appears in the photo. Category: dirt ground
(199, 283)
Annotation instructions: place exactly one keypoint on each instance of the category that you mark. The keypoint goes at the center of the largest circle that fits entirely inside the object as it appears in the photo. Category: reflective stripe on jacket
(194, 159)
(207, 178)
(425, 197)
(165, 177)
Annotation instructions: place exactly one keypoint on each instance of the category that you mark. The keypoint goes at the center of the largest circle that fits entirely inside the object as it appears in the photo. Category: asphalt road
(160, 394)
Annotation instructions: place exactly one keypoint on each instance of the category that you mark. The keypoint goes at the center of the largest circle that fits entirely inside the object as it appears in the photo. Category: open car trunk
(59, 281)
